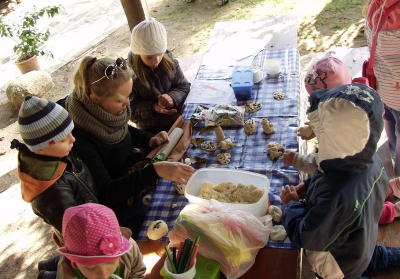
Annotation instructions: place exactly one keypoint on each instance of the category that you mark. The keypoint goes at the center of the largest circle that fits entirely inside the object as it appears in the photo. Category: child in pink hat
(328, 73)
(96, 246)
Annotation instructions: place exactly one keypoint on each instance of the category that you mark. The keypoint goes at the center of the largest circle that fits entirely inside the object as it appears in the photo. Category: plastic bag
(231, 237)
(233, 115)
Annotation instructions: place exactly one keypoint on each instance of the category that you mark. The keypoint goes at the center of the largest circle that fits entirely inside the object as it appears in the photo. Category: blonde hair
(166, 65)
(92, 69)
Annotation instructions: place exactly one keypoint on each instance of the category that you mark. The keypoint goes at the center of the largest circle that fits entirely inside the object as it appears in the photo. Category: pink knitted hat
(327, 73)
(92, 235)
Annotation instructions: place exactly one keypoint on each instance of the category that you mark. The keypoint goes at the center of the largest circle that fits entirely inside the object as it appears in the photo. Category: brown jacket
(142, 104)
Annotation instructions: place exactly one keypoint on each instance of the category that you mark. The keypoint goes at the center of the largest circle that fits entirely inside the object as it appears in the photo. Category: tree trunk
(135, 11)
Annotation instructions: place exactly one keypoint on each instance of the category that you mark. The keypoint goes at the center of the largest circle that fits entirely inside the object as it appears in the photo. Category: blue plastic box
(242, 84)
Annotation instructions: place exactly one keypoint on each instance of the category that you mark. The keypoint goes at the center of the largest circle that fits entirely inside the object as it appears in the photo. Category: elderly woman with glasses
(100, 108)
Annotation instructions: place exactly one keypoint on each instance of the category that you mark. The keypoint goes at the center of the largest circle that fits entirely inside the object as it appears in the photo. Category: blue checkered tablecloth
(250, 152)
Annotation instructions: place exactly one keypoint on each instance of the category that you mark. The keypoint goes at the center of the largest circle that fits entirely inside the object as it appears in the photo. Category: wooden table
(278, 33)
(270, 263)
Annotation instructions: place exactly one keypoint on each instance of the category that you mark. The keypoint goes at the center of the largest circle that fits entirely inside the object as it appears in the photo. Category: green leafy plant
(27, 37)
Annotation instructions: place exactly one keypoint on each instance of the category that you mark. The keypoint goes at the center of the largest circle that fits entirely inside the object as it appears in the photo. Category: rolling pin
(167, 147)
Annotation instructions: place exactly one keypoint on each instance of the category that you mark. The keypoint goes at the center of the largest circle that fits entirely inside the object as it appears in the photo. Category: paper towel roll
(167, 147)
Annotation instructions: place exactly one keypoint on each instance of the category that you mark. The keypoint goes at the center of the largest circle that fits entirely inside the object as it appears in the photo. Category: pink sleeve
(388, 212)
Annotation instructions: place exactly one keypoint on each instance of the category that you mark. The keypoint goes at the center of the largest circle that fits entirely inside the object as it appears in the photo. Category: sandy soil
(24, 238)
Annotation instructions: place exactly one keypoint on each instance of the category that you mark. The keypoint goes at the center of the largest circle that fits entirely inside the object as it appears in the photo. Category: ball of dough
(275, 150)
(180, 187)
(252, 107)
(208, 146)
(275, 212)
(305, 131)
(157, 230)
(267, 126)
(250, 126)
(279, 95)
(278, 233)
(224, 158)
(225, 144)
(188, 162)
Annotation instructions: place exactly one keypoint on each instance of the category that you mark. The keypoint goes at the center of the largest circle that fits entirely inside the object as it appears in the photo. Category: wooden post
(135, 11)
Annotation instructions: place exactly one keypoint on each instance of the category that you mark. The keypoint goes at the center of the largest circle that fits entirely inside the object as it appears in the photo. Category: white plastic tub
(217, 175)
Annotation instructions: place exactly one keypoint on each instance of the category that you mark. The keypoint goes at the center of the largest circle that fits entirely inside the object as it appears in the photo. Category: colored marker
(171, 262)
(193, 259)
(182, 258)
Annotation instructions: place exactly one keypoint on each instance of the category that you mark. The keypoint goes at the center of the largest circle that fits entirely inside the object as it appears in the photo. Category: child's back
(337, 225)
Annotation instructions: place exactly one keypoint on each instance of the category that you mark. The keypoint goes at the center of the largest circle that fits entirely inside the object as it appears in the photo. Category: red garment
(388, 213)
(374, 13)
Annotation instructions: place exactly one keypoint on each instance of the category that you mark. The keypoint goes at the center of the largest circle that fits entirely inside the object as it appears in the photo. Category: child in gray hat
(52, 177)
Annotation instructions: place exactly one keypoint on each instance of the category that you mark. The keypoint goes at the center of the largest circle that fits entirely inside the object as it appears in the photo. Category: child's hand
(162, 110)
(305, 132)
(288, 193)
(159, 139)
(301, 190)
(288, 157)
(165, 101)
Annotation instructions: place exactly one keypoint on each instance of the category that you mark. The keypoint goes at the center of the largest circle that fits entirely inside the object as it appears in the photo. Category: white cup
(257, 75)
(186, 275)
(273, 66)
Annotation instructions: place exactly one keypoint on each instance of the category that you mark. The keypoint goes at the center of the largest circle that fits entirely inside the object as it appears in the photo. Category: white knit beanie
(149, 37)
(42, 123)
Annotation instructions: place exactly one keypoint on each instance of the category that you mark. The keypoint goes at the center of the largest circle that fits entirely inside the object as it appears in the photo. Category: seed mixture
(229, 192)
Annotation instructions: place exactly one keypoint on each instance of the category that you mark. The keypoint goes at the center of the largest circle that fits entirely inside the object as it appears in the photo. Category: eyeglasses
(112, 70)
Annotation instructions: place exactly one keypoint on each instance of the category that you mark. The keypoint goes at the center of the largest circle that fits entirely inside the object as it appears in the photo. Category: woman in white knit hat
(160, 88)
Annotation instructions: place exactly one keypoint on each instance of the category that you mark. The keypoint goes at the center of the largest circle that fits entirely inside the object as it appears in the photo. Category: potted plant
(27, 37)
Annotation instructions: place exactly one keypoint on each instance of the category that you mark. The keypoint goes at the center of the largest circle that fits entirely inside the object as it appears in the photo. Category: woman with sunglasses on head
(160, 88)
(99, 106)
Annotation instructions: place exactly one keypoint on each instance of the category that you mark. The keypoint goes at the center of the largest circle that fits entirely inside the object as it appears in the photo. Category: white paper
(235, 50)
(211, 92)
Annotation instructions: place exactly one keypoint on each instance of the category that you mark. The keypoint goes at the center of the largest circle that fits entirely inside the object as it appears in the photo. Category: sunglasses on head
(111, 71)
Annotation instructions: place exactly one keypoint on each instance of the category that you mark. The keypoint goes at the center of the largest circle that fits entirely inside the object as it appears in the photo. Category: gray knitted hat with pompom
(42, 123)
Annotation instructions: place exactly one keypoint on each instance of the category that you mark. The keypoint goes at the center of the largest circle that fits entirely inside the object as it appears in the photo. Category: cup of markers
(181, 263)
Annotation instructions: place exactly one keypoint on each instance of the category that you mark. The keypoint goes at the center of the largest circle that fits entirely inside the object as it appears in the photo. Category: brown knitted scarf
(96, 121)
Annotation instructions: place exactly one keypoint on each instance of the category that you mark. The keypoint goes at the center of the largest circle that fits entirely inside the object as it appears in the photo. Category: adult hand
(159, 139)
(288, 193)
(165, 101)
(288, 157)
(162, 110)
(174, 171)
